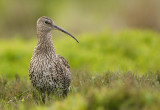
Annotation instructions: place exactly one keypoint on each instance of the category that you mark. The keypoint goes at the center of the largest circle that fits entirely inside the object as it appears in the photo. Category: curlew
(48, 71)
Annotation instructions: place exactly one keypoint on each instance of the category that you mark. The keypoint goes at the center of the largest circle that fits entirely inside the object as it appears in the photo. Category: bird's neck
(45, 42)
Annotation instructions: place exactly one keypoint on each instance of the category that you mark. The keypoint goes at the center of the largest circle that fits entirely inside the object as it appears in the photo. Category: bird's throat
(45, 42)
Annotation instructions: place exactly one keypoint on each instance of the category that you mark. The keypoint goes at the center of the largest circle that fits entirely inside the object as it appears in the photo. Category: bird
(49, 72)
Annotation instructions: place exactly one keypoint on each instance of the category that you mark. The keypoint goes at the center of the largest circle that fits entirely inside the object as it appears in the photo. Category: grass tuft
(106, 91)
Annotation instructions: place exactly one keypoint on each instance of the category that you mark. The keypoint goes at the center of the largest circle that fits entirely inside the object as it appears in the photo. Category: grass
(107, 91)
(110, 71)
(128, 50)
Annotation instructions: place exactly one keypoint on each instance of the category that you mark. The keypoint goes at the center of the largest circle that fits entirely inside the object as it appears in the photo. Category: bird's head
(46, 24)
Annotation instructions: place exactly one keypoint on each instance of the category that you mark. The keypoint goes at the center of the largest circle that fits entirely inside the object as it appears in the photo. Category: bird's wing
(63, 69)
(64, 61)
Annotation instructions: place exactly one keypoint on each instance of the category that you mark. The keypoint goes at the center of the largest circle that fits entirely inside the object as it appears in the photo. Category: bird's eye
(47, 22)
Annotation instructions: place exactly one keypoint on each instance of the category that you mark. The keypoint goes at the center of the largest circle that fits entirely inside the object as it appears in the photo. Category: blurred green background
(114, 35)
(118, 54)
(19, 17)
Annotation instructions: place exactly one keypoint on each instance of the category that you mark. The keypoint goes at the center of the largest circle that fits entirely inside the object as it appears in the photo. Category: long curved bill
(62, 30)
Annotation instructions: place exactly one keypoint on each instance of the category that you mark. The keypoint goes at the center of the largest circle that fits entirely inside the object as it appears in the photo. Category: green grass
(108, 91)
(130, 57)
(128, 50)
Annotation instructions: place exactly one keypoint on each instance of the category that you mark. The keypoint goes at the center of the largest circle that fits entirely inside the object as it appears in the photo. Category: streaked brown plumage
(48, 71)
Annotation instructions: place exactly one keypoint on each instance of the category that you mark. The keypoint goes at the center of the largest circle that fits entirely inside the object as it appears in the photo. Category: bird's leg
(48, 98)
(65, 92)
(43, 97)
(48, 93)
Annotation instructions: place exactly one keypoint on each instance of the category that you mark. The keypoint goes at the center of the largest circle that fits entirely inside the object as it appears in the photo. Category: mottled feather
(48, 71)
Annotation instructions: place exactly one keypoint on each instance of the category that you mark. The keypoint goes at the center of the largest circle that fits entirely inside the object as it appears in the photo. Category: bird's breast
(42, 64)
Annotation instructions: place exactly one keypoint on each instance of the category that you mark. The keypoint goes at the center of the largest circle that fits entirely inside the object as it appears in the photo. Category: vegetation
(123, 51)
(110, 71)
(108, 91)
